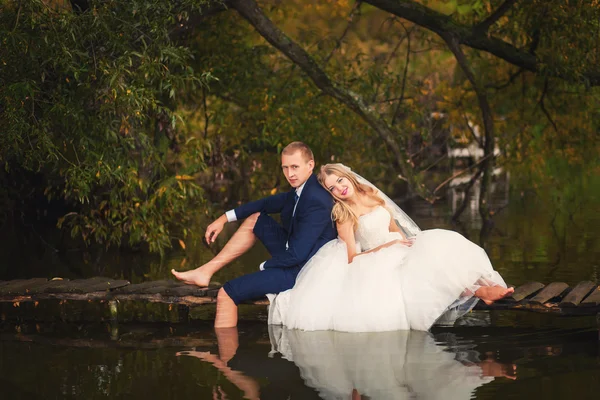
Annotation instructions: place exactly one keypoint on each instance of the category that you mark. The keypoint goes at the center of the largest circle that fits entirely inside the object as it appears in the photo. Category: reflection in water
(382, 365)
(56, 361)
(228, 342)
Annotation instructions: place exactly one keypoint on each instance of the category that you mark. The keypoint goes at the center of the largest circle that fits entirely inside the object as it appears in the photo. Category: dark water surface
(146, 362)
(56, 351)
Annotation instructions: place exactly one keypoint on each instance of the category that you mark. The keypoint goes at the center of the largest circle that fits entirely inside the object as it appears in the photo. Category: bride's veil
(404, 222)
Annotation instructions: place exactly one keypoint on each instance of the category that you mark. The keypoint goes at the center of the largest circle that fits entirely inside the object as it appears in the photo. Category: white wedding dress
(395, 288)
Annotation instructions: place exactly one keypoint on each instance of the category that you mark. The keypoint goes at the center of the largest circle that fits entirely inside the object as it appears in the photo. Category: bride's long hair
(342, 212)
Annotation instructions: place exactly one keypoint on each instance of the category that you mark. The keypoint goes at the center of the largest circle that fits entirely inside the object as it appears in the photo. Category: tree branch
(467, 197)
(459, 173)
(488, 123)
(510, 81)
(213, 8)
(543, 106)
(485, 25)
(444, 25)
(249, 10)
(404, 75)
(338, 43)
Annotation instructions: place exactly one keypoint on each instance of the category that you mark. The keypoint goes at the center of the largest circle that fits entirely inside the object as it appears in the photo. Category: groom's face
(296, 168)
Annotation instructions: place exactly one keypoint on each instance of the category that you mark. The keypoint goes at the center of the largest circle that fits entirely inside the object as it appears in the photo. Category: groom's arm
(270, 205)
(304, 237)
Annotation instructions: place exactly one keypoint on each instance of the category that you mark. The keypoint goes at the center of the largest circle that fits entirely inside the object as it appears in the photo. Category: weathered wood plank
(593, 300)
(104, 284)
(49, 284)
(106, 295)
(165, 285)
(21, 286)
(551, 291)
(140, 287)
(578, 293)
(526, 290)
(84, 285)
(187, 290)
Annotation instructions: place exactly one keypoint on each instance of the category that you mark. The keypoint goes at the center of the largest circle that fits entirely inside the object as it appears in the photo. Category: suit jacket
(309, 229)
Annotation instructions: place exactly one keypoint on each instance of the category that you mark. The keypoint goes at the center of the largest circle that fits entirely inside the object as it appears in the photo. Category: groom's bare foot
(198, 276)
(490, 294)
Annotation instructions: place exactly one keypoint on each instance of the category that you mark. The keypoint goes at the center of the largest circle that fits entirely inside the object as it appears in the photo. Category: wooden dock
(554, 298)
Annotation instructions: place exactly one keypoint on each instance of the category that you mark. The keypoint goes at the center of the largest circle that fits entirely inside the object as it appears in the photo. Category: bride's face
(339, 186)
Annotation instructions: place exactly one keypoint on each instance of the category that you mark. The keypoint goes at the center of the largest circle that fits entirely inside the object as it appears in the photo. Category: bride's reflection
(340, 365)
(384, 365)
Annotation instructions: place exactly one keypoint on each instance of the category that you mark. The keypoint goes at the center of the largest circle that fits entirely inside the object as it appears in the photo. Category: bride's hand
(404, 242)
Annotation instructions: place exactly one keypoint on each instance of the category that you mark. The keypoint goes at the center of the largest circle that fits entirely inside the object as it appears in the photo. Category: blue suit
(304, 231)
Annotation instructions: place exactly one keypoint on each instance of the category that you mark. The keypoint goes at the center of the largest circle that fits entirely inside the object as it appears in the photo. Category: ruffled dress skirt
(395, 288)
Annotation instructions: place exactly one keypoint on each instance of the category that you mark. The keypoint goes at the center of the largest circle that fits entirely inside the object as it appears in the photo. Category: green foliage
(88, 100)
(133, 122)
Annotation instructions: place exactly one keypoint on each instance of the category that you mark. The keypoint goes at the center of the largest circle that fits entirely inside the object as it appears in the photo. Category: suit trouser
(271, 280)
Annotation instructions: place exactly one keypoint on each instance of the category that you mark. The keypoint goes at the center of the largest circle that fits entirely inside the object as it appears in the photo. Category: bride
(383, 273)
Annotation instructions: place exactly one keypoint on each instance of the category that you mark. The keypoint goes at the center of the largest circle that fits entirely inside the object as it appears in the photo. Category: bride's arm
(346, 233)
(393, 228)
(383, 246)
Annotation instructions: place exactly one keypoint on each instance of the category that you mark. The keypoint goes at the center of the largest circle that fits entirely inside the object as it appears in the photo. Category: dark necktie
(296, 197)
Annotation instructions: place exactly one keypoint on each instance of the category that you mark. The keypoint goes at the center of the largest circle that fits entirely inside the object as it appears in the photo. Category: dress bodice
(373, 229)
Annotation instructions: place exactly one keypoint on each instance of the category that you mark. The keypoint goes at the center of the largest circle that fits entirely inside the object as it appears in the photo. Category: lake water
(58, 351)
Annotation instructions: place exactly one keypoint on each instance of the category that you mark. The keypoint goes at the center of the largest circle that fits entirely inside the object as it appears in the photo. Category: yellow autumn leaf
(273, 191)
(182, 244)
(184, 177)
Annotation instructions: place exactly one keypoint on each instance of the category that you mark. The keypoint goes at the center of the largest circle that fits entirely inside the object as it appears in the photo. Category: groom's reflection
(246, 365)
(339, 365)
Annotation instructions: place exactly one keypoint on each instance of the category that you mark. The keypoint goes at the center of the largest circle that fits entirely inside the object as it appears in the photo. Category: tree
(88, 102)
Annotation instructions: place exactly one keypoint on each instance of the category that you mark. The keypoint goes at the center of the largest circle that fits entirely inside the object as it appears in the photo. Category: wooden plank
(551, 291)
(104, 284)
(79, 286)
(161, 289)
(42, 288)
(593, 300)
(139, 287)
(577, 294)
(526, 290)
(21, 286)
(186, 290)
(213, 291)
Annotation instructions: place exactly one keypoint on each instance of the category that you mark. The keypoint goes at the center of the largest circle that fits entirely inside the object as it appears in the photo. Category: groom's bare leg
(241, 241)
(227, 311)
(228, 342)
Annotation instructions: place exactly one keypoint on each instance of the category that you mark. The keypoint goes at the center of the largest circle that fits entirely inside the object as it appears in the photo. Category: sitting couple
(345, 257)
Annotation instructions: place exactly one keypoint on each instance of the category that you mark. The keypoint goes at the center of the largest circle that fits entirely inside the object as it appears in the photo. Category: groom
(305, 226)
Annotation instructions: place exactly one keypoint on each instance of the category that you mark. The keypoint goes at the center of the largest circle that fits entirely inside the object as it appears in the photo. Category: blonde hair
(342, 212)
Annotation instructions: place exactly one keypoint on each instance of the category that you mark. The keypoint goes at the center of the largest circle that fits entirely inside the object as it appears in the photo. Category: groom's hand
(213, 230)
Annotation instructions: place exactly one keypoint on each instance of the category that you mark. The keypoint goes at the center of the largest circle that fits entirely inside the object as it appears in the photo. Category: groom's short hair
(293, 147)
